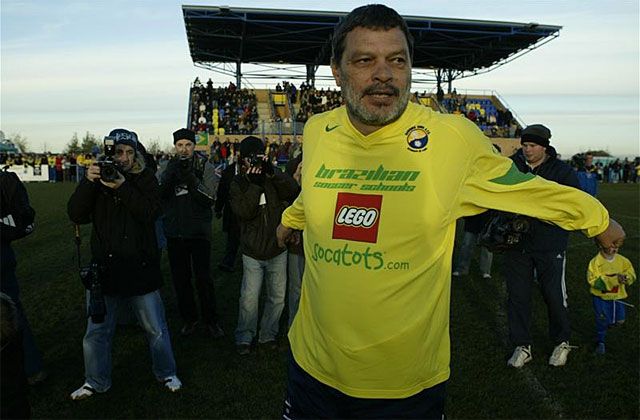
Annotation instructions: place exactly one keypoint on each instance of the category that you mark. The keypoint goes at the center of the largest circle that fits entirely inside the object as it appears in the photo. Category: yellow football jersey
(379, 215)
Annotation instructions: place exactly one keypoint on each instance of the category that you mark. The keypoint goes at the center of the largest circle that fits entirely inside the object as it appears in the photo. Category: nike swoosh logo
(327, 128)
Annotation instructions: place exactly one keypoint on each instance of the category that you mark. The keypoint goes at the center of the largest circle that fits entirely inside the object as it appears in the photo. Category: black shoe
(37, 378)
(188, 328)
(215, 330)
(243, 349)
(269, 345)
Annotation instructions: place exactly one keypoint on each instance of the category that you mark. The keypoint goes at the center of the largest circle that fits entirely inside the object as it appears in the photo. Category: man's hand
(255, 175)
(297, 175)
(287, 236)
(93, 172)
(116, 183)
(611, 238)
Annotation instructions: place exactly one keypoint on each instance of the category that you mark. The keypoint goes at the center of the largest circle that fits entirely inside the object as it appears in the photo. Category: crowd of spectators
(223, 110)
(493, 121)
(314, 101)
(62, 167)
(616, 171)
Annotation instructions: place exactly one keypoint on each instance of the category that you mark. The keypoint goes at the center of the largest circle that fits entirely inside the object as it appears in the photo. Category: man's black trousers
(183, 255)
(522, 269)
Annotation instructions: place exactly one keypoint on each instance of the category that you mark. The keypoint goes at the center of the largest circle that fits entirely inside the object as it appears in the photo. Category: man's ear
(336, 72)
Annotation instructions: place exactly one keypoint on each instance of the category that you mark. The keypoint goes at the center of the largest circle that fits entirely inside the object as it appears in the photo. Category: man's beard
(378, 117)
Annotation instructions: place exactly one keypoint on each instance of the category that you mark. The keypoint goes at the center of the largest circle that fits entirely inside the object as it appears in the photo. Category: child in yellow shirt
(609, 274)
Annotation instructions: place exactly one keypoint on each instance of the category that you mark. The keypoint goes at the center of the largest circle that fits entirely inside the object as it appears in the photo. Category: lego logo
(354, 216)
(357, 217)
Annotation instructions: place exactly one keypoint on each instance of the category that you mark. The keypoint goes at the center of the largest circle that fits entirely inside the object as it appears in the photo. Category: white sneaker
(520, 356)
(82, 393)
(172, 383)
(456, 274)
(560, 353)
(486, 276)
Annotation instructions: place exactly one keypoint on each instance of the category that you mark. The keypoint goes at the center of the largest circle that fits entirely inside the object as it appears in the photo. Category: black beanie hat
(184, 134)
(536, 133)
(251, 146)
(123, 136)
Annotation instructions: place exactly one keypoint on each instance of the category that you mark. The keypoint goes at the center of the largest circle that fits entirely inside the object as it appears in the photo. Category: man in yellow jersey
(384, 181)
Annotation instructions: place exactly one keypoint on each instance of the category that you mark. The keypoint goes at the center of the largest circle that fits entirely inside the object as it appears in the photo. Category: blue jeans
(465, 252)
(253, 272)
(295, 268)
(98, 339)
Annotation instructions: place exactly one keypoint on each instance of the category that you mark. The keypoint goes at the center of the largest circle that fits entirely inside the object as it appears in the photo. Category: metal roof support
(449, 74)
(311, 74)
(238, 74)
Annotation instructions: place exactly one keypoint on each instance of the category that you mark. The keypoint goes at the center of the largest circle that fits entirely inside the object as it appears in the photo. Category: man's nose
(382, 71)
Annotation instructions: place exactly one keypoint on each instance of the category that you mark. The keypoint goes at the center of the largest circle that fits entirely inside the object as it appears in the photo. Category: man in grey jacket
(187, 189)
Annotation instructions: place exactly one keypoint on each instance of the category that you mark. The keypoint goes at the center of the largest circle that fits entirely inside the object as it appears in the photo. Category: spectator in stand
(59, 168)
(439, 94)
(51, 161)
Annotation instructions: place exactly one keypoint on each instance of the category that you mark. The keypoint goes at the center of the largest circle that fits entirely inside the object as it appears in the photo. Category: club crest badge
(417, 138)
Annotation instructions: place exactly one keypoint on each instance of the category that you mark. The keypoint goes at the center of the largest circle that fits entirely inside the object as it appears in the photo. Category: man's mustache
(381, 90)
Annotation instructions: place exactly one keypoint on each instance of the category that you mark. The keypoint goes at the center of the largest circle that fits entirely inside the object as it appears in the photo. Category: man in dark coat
(126, 258)
(186, 187)
(542, 257)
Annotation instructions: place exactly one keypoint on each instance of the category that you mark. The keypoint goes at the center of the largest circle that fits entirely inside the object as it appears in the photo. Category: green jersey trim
(512, 177)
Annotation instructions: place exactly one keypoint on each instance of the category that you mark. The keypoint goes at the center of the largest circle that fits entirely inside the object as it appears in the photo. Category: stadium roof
(461, 47)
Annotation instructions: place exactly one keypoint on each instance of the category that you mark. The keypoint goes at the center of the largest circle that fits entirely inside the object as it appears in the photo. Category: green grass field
(220, 384)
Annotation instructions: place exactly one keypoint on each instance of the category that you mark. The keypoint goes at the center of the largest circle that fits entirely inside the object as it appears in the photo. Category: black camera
(505, 231)
(97, 308)
(185, 162)
(108, 166)
(259, 161)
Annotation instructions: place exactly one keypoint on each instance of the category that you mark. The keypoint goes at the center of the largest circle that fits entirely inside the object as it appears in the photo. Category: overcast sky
(76, 66)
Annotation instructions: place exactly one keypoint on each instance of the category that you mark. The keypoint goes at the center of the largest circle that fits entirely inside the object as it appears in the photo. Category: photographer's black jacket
(546, 236)
(258, 223)
(123, 239)
(187, 198)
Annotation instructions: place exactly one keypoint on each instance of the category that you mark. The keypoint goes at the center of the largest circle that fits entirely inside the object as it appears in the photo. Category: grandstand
(292, 45)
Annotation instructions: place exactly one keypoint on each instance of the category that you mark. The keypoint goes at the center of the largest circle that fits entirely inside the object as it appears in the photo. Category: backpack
(16, 215)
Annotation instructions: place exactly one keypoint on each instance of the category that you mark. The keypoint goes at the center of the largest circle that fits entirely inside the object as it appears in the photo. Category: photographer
(541, 256)
(120, 197)
(259, 195)
(187, 188)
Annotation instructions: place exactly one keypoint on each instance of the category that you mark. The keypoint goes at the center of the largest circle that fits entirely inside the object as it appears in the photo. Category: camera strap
(78, 241)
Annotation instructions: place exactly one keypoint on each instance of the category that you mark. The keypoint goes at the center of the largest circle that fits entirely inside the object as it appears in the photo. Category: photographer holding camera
(541, 255)
(125, 264)
(187, 189)
(259, 195)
